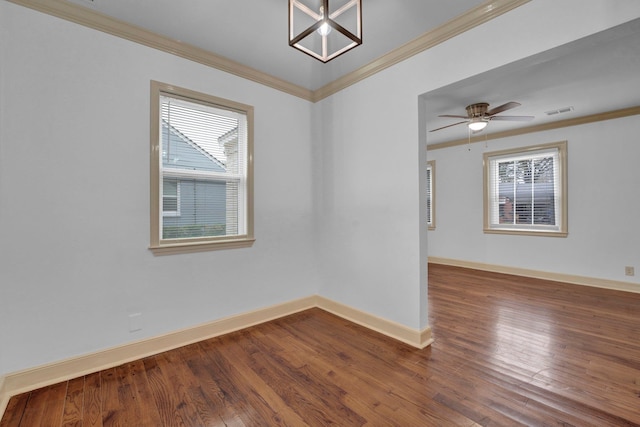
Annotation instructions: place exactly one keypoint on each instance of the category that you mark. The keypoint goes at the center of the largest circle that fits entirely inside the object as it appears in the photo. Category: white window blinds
(430, 194)
(526, 189)
(203, 156)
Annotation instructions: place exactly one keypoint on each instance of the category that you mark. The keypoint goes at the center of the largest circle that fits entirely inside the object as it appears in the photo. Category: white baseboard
(4, 397)
(413, 337)
(536, 274)
(52, 373)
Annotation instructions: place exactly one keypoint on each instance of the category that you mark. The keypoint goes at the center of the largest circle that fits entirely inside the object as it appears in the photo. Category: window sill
(526, 232)
(182, 248)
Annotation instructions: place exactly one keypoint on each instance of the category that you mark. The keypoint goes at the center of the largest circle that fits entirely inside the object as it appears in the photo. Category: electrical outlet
(135, 322)
(629, 271)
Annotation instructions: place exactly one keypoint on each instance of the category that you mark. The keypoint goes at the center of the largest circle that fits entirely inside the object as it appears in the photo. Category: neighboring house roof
(191, 152)
(232, 134)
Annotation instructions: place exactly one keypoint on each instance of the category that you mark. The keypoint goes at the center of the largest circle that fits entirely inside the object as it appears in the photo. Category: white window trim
(560, 167)
(431, 165)
(161, 246)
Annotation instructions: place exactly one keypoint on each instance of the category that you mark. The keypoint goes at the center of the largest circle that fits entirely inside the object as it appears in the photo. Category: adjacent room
(453, 241)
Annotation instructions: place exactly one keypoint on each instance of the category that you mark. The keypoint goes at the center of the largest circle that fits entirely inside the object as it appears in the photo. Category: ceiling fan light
(477, 124)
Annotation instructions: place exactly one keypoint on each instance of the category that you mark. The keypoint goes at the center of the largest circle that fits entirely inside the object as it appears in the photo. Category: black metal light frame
(324, 16)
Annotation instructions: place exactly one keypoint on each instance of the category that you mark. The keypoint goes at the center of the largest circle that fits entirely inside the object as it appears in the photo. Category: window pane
(543, 203)
(170, 199)
(169, 204)
(170, 188)
(430, 187)
(523, 189)
(507, 173)
(527, 191)
(202, 211)
(200, 145)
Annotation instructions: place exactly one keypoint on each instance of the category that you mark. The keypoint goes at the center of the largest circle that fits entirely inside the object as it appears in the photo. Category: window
(170, 197)
(201, 171)
(431, 199)
(526, 190)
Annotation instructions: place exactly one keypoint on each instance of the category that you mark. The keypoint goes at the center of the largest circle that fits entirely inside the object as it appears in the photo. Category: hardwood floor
(508, 351)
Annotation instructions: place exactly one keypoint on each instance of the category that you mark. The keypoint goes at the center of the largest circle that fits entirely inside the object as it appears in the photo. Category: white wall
(74, 197)
(369, 209)
(373, 252)
(602, 195)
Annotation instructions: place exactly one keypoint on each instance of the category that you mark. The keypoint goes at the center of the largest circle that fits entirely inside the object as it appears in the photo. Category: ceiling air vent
(558, 111)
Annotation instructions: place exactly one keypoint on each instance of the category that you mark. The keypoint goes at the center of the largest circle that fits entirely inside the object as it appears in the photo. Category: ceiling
(255, 32)
(597, 74)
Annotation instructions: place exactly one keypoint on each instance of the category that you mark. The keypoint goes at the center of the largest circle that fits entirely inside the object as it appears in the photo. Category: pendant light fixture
(325, 29)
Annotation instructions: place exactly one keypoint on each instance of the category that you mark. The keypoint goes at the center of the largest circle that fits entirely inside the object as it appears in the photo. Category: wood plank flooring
(508, 351)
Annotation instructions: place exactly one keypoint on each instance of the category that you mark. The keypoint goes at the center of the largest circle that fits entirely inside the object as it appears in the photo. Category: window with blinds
(431, 169)
(525, 190)
(201, 171)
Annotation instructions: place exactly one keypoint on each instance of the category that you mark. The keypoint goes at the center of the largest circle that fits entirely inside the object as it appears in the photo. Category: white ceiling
(255, 32)
(597, 74)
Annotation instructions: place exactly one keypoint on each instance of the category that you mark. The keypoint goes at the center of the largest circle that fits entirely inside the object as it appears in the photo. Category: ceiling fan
(479, 115)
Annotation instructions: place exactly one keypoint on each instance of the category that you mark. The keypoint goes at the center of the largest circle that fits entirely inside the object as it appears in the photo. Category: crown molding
(592, 118)
(101, 22)
(456, 26)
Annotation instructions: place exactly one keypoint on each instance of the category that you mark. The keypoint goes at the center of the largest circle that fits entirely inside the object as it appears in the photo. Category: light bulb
(478, 124)
(324, 29)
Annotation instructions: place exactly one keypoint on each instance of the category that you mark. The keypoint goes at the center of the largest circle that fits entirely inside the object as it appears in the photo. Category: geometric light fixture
(325, 31)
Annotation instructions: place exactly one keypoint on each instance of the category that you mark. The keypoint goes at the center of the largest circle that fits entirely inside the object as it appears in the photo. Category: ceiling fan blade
(448, 126)
(513, 118)
(455, 117)
(503, 107)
